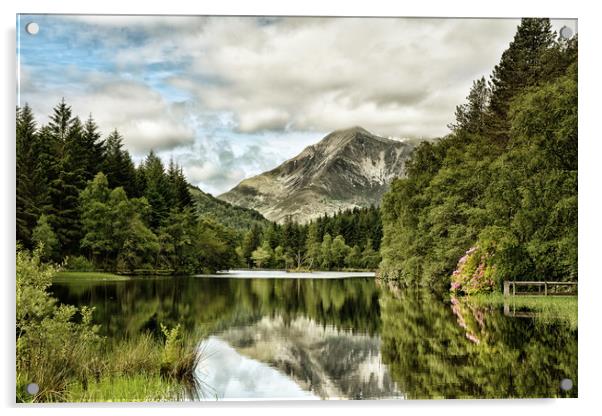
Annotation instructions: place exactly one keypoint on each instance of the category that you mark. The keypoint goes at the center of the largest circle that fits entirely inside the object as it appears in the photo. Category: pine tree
(93, 148)
(250, 242)
(178, 192)
(118, 166)
(521, 65)
(66, 178)
(312, 246)
(157, 189)
(470, 117)
(27, 211)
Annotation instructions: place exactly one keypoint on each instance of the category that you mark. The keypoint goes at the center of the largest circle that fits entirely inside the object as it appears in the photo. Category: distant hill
(226, 213)
(346, 169)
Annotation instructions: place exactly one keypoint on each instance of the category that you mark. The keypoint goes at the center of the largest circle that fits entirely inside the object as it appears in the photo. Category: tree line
(85, 201)
(497, 198)
(79, 194)
(347, 239)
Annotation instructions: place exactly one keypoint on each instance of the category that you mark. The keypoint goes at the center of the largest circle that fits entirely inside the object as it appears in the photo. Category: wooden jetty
(544, 288)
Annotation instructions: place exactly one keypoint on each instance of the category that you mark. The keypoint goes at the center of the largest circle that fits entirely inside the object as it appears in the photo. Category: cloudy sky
(231, 97)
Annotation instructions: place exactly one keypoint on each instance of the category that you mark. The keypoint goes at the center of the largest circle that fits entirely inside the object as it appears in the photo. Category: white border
(590, 152)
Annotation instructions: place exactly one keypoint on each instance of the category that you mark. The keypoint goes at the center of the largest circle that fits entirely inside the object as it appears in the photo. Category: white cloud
(145, 119)
(230, 97)
(392, 76)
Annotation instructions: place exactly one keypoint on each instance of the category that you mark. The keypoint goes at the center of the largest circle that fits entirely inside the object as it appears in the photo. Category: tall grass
(121, 367)
(59, 349)
(547, 309)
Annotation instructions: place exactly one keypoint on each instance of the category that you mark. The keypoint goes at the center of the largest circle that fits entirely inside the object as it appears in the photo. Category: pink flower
(472, 337)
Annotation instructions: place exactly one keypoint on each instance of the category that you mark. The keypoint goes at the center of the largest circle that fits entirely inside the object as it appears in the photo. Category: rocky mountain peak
(345, 169)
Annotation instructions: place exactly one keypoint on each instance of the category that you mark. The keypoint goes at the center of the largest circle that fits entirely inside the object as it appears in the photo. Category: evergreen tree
(250, 242)
(27, 212)
(313, 246)
(177, 237)
(66, 177)
(93, 149)
(470, 117)
(118, 166)
(157, 190)
(521, 65)
(370, 257)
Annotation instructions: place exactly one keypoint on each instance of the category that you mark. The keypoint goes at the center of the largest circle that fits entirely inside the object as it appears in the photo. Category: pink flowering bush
(474, 273)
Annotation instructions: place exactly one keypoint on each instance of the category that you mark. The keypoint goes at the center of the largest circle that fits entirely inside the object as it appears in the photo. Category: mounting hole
(32, 388)
(32, 28)
(566, 384)
(566, 32)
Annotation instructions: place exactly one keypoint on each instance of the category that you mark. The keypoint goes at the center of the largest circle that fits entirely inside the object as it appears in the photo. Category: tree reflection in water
(348, 337)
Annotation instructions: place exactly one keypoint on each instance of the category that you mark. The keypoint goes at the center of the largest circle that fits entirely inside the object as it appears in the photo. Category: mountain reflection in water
(338, 338)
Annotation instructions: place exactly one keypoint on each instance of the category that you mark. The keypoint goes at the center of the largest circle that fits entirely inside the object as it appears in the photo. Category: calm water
(338, 337)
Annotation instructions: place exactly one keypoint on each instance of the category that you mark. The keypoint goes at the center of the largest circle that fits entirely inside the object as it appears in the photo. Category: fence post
(545, 288)
(506, 288)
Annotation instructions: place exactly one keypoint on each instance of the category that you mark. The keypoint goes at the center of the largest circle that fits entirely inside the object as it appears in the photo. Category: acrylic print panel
(226, 208)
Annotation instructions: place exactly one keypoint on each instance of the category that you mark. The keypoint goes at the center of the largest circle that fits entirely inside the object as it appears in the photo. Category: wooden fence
(544, 288)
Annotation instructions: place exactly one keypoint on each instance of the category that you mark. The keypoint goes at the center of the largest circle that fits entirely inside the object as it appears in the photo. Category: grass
(85, 276)
(136, 388)
(548, 309)
(142, 368)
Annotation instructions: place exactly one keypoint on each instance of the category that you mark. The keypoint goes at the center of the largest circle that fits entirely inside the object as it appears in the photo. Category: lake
(309, 336)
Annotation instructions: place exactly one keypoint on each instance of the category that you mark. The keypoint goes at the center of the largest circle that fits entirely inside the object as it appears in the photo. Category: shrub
(78, 264)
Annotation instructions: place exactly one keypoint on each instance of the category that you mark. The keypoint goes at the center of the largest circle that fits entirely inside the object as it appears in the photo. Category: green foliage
(52, 347)
(179, 358)
(70, 276)
(27, 210)
(504, 181)
(114, 233)
(474, 273)
(77, 264)
(263, 255)
(138, 388)
(469, 349)
(60, 349)
(45, 238)
(312, 246)
(232, 216)
(118, 166)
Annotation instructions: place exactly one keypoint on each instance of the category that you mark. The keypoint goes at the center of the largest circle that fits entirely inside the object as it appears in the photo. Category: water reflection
(339, 338)
(437, 347)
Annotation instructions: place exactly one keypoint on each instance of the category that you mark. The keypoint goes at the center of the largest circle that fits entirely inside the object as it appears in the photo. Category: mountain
(346, 169)
(233, 216)
(329, 362)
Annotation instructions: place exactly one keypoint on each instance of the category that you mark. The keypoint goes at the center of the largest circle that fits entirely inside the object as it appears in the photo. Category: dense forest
(349, 239)
(497, 198)
(90, 207)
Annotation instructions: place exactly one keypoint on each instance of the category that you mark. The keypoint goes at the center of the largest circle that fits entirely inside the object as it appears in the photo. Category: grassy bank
(548, 309)
(137, 388)
(82, 276)
(61, 350)
(145, 368)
